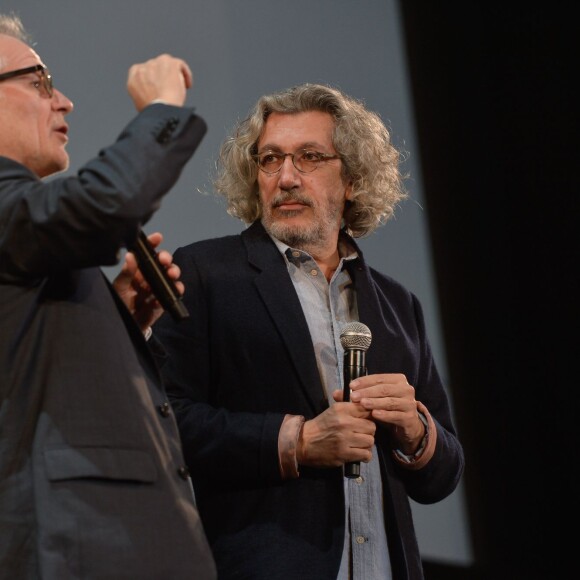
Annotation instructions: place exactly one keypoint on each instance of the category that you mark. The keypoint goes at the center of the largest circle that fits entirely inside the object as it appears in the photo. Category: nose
(288, 176)
(61, 102)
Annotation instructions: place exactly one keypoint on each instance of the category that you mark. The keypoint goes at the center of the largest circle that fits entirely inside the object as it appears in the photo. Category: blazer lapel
(279, 296)
(374, 313)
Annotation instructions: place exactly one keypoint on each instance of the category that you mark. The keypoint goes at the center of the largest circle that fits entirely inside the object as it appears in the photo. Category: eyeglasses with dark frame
(305, 160)
(44, 84)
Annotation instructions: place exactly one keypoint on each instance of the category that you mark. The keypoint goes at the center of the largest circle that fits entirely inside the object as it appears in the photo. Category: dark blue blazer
(245, 359)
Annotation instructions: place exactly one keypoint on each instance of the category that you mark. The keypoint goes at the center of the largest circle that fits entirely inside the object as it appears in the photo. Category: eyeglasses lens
(304, 161)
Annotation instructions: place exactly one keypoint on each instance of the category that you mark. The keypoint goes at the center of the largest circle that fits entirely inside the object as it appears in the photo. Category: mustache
(287, 196)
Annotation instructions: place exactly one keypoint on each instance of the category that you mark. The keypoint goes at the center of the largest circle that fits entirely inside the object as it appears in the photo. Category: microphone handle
(156, 275)
(354, 367)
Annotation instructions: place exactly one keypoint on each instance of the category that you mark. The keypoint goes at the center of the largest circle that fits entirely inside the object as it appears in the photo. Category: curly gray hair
(370, 161)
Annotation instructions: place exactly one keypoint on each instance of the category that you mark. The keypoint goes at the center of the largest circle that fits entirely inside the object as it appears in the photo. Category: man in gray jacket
(93, 483)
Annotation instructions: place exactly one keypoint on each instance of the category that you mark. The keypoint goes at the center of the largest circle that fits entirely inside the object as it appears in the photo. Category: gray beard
(306, 238)
(299, 238)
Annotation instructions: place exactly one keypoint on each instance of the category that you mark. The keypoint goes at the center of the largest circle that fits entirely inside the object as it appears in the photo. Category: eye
(310, 156)
(269, 158)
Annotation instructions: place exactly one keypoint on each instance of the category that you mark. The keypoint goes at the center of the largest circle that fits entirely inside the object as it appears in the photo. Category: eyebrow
(307, 145)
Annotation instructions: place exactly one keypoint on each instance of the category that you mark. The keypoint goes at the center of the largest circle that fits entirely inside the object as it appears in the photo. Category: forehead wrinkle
(312, 129)
(310, 145)
(16, 54)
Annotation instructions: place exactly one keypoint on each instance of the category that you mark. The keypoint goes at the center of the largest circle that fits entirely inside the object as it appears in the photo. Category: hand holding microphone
(155, 274)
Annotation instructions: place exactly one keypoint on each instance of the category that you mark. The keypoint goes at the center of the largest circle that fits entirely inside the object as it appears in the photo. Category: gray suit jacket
(92, 477)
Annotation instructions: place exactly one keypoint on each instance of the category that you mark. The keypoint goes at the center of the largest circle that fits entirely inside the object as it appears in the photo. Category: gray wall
(239, 50)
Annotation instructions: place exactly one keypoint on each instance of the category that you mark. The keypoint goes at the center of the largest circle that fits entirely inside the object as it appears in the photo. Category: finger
(338, 396)
(127, 272)
(361, 440)
(130, 264)
(174, 271)
(155, 238)
(395, 385)
(366, 382)
(390, 404)
(348, 409)
(376, 379)
(187, 75)
(165, 258)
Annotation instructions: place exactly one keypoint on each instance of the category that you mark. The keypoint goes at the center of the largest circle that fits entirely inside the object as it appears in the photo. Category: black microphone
(355, 339)
(156, 276)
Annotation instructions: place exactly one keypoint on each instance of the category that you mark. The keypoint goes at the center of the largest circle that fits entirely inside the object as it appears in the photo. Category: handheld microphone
(156, 275)
(355, 339)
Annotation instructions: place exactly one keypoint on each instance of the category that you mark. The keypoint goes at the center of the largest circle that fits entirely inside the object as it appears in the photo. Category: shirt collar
(346, 251)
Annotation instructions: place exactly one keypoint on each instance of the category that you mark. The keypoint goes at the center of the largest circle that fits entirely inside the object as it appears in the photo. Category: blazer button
(183, 472)
(165, 409)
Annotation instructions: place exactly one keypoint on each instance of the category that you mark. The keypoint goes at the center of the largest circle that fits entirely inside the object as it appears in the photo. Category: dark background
(497, 130)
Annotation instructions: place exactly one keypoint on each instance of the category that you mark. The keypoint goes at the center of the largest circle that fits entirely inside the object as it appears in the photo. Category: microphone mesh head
(355, 335)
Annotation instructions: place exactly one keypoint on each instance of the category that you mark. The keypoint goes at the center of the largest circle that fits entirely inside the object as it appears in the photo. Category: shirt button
(360, 540)
(296, 253)
(164, 410)
(359, 479)
(183, 472)
(314, 272)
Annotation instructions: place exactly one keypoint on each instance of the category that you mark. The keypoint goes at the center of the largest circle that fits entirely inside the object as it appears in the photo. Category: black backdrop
(496, 118)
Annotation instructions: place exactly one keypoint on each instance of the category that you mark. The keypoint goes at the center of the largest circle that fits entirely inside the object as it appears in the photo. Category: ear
(348, 191)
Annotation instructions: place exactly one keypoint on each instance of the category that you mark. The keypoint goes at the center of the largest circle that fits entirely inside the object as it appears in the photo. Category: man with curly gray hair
(369, 160)
(293, 479)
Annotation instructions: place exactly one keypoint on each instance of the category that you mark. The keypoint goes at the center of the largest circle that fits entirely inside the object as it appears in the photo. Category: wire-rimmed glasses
(305, 160)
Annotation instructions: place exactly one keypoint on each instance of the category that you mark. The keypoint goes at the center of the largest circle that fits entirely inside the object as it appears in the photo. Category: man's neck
(326, 256)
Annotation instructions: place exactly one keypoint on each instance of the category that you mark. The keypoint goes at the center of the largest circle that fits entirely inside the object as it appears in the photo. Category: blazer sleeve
(228, 448)
(83, 220)
(439, 477)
